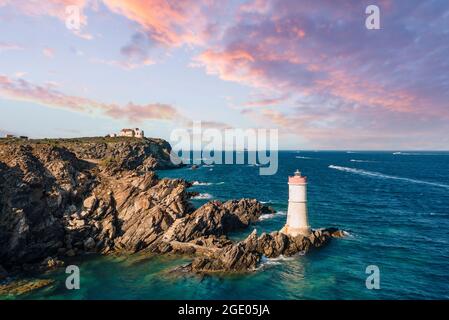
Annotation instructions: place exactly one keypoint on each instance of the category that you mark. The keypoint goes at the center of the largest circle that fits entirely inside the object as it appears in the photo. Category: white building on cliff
(133, 133)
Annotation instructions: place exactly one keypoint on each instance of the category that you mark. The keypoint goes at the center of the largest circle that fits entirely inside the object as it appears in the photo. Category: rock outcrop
(246, 255)
(54, 204)
(57, 202)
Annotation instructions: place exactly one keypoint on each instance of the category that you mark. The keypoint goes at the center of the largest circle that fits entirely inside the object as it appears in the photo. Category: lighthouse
(297, 221)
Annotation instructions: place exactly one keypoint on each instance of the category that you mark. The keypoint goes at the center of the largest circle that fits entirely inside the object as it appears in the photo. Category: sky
(309, 68)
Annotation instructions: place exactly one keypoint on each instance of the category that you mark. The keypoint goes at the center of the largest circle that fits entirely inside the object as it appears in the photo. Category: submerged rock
(20, 287)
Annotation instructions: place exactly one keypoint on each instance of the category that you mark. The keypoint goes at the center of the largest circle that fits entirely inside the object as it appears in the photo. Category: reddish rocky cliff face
(66, 199)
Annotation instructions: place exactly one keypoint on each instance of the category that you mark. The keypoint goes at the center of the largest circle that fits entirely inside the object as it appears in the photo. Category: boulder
(89, 244)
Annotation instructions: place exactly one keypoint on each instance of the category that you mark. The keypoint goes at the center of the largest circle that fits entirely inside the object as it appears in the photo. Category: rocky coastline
(64, 198)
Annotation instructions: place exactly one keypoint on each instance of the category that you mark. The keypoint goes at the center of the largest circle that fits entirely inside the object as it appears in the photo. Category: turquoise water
(395, 206)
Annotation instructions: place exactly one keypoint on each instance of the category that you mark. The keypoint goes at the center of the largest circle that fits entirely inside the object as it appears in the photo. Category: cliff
(64, 198)
(127, 153)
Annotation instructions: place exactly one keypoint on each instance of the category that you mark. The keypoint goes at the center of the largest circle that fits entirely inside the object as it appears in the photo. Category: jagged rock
(246, 255)
(90, 203)
(217, 218)
(242, 256)
(34, 184)
(49, 198)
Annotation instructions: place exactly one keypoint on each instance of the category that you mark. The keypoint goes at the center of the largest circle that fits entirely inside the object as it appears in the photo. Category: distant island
(63, 198)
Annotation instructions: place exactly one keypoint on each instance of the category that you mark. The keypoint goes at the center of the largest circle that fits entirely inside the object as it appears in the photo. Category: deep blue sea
(395, 207)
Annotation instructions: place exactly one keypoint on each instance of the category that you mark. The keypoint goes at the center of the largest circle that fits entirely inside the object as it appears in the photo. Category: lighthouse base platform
(293, 232)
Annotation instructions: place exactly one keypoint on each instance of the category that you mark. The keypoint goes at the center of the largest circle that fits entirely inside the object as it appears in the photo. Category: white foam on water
(386, 176)
(265, 262)
(203, 196)
(198, 183)
(299, 157)
(267, 216)
(271, 215)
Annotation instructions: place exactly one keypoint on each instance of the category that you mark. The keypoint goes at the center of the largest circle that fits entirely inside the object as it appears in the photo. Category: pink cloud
(48, 95)
(266, 101)
(54, 8)
(352, 87)
(124, 64)
(20, 89)
(6, 46)
(169, 22)
(48, 52)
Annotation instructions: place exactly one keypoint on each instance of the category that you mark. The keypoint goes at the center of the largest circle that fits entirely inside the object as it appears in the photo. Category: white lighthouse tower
(297, 221)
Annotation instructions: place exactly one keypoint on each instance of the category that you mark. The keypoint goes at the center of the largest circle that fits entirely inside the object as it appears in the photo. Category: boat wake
(356, 160)
(199, 183)
(417, 154)
(385, 176)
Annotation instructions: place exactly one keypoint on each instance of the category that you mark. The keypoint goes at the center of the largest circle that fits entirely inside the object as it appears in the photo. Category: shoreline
(121, 206)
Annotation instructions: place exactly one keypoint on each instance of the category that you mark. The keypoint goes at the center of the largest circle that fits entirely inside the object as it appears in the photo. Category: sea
(394, 207)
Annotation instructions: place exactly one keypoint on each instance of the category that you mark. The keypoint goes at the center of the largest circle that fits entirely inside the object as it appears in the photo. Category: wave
(267, 216)
(299, 157)
(265, 262)
(271, 215)
(203, 196)
(386, 176)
